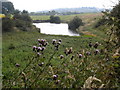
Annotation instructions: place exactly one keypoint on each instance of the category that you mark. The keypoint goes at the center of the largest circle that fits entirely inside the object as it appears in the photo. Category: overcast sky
(40, 5)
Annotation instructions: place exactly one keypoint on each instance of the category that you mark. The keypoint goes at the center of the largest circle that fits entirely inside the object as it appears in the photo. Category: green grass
(85, 16)
(73, 74)
(17, 49)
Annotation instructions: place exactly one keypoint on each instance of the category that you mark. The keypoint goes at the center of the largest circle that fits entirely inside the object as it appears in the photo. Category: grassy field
(69, 63)
(85, 17)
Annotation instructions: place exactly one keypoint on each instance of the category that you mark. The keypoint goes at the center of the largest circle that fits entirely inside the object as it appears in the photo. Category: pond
(55, 29)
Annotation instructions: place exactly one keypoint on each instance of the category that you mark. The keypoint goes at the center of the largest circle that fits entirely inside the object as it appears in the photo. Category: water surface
(55, 29)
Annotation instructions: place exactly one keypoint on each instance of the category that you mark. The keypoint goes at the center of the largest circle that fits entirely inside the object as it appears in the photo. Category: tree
(75, 23)
(55, 19)
(7, 8)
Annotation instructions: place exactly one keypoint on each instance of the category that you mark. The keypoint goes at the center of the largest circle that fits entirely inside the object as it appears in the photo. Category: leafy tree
(55, 19)
(75, 23)
(7, 8)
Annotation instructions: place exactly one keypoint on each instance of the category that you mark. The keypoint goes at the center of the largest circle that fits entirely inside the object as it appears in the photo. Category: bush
(55, 19)
(22, 20)
(75, 23)
(7, 24)
(100, 23)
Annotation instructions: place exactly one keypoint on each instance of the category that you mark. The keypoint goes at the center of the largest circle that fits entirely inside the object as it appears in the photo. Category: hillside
(80, 10)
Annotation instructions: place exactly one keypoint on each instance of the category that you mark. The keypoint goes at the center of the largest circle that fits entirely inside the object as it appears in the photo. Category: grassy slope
(73, 74)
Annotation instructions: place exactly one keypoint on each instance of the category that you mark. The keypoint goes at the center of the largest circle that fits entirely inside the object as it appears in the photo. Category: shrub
(22, 20)
(55, 19)
(7, 24)
(75, 23)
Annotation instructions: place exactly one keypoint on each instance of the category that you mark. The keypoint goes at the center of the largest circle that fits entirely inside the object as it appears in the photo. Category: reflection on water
(56, 29)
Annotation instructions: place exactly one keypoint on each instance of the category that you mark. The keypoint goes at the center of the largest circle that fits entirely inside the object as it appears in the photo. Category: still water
(55, 29)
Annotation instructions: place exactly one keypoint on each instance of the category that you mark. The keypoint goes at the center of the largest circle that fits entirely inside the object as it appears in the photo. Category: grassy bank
(23, 68)
(70, 62)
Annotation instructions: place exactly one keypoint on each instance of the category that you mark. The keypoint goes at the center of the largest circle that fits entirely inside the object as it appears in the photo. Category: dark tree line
(15, 18)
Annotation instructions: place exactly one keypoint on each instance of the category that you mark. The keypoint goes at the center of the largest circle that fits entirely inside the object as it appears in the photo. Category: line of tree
(15, 18)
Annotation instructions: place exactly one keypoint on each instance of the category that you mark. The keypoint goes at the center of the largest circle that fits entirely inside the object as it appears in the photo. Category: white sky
(40, 5)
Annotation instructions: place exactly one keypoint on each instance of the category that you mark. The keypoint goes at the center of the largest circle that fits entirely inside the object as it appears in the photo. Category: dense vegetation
(7, 7)
(15, 18)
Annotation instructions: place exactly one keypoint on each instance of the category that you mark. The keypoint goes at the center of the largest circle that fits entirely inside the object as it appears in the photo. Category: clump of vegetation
(15, 18)
(55, 19)
(7, 24)
(75, 23)
(7, 8)
(22, 20)
(111, 22)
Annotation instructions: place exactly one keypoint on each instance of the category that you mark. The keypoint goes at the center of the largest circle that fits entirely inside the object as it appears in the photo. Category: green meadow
(25, 67)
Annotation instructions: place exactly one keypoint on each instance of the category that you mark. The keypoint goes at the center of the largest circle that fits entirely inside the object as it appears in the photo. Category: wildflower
(65, 65)
(66, 51)
(72, 57)
(90, 44)
(17, 65)
(34, 48)
(70, 51)
(39, 49)
(39, 40)
(41, 64)
(60, 40)
(43, 48)
(53, 41)
(80, 55)
(61, 56)
(38, 54)
(55, 77)
(59, 43)
(57, 82)
(96, 51)
(40, 44)
(56, 46)
(88, 53)
(45, 44)
(96, 45)
(43, 41)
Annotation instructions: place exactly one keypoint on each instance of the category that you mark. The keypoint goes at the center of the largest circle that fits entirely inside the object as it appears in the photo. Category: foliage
(116, 11)
(7, 8)
(55, 19)
(113, 43)
(75, 23)
(7, 24)
(100, 22)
